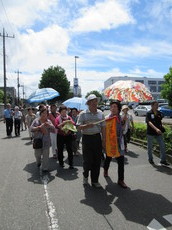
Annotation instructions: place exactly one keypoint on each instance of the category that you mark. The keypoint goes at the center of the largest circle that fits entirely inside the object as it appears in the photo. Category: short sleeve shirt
(155, 119)
(86, 117)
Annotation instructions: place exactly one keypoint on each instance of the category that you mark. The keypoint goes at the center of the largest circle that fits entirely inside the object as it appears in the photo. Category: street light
(76, 79)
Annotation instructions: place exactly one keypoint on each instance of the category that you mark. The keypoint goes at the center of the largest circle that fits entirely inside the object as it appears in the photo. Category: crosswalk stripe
(155, 225)
(168, 218)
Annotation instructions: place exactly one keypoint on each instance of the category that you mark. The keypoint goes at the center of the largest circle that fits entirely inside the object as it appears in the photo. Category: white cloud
(37, 50)
(103, 15)
(23, 13)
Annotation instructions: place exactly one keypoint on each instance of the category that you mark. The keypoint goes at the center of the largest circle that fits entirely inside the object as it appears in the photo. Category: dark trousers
(120, 162)
(61, 141)
(92, 150)
(9, 126)
(127, 138)
(17, 123)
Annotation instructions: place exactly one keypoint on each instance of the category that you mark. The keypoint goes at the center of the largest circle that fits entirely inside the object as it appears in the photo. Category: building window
(141, 81)
(153, 89)
(152, 82)
(160, 82)
(159, 88)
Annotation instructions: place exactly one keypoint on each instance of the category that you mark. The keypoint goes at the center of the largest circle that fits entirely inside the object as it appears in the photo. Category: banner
(111, 138)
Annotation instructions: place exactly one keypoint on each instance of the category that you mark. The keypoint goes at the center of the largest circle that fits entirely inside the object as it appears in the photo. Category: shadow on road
(35, 174)
(132, 154)
(163, 169)
(140, 206)
(67, 174)
(98, 199)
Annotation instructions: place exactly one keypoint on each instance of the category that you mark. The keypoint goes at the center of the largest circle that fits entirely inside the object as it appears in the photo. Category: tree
(1, 96)
(55, 77)
(166, 91)
(96, 93)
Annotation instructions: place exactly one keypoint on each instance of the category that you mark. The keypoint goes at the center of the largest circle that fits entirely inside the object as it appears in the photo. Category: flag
(111, 138)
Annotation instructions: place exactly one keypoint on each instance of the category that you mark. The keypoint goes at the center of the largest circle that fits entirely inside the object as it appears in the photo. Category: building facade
(153, 84)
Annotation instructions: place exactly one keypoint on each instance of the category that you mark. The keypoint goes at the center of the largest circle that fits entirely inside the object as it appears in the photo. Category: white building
(153, 84)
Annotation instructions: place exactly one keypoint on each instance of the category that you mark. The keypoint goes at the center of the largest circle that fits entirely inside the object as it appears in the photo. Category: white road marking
(168, 218)
(51, 211)
(155, 225)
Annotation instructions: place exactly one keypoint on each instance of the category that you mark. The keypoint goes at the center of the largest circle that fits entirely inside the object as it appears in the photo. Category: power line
(4, 64)
(7, 16)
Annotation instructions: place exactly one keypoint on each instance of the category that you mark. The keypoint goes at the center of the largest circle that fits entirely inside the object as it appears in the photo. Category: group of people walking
(91, 124)
(14, 117)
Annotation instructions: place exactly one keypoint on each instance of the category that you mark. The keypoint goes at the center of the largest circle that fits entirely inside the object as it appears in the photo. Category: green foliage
(140, 133)
(96, 93)
(166, 91)
(1, 96)
(55, 77)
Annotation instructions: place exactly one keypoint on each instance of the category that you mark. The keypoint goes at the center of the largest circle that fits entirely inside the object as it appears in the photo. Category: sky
(110, 37)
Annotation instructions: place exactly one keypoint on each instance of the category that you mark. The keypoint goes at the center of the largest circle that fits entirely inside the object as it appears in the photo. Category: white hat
(125, 107)
(91, 97)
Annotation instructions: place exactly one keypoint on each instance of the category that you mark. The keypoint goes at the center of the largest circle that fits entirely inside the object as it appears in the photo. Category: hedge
(140, 134)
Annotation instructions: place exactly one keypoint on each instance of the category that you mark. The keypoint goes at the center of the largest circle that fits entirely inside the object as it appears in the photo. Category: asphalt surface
(58, 200)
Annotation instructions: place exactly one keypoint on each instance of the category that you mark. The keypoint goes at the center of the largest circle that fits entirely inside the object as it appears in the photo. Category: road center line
(51, 211)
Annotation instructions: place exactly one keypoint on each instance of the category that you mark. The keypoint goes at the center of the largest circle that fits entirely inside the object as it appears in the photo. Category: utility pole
(4, 65)
(76, 80)
(18, 85)
(23, 93)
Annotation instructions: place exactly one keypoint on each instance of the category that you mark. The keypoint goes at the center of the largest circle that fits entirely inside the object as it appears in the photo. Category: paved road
(31, 201)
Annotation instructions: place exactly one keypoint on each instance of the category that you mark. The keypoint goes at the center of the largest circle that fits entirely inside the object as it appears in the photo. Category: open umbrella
(43, 94)
(76, 102)
(128, 91)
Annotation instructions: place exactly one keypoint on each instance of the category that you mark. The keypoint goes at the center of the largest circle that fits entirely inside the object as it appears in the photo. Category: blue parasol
(76, 102)
(43, 94)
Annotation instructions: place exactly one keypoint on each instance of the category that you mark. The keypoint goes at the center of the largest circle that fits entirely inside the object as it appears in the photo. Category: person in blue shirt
(8, 120)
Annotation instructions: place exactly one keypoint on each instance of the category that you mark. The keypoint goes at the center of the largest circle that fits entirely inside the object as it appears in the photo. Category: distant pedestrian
(41, 107)
(17, 120)
(115, 109)
(128, 123)
(155, 131)
(23, 121)
(41, 128)
(93, 139)
(30, 117)
(52, 117)
(64, 138)
(8, 120)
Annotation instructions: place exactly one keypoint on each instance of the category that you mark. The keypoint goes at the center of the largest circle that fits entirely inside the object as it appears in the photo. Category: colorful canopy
(128, 91)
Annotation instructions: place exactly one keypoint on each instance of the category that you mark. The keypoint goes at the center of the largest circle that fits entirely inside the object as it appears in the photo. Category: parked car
(166, 111)
(141, 110)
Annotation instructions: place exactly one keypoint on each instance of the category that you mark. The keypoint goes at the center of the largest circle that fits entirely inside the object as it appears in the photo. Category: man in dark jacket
(155, 131)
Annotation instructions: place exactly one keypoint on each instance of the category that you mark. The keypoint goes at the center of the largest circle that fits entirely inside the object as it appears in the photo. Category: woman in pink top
(52, 117)
(64, 138)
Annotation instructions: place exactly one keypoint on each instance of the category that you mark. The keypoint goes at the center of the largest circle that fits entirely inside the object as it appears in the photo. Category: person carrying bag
(41, 128)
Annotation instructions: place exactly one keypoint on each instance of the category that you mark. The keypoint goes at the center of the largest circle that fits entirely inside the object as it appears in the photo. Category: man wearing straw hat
(91, 123)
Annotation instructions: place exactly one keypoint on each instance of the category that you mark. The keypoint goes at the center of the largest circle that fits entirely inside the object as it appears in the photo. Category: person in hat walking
(128, 123)
(91, 123)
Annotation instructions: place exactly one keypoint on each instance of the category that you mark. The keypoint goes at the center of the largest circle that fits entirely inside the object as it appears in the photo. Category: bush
(140, 133)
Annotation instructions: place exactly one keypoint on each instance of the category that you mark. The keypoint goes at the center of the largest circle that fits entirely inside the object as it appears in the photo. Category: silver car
(141, 110)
